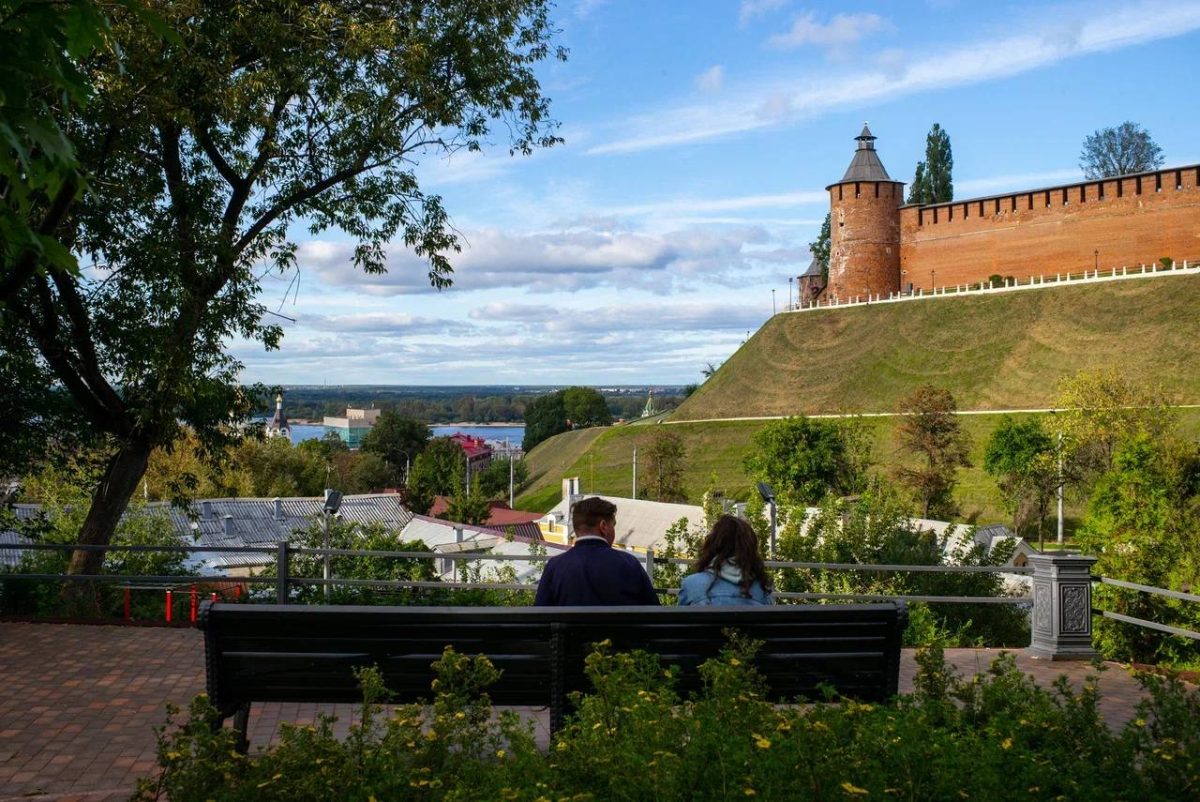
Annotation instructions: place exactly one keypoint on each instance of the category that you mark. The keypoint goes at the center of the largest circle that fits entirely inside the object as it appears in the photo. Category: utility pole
(1060, 489)
(510, 479)
(634, 495)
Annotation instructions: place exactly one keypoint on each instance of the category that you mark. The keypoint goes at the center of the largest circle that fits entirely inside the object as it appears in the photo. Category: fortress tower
(864, 254)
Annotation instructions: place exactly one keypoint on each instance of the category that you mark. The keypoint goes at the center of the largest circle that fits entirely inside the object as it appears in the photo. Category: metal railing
(284, 581)
(1058, 618)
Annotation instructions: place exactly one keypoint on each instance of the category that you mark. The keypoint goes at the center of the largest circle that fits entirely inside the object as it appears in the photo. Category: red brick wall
(864, 253)
(1049, 231)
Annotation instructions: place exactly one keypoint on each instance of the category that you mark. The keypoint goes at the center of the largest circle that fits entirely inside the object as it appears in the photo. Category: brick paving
(78, 704)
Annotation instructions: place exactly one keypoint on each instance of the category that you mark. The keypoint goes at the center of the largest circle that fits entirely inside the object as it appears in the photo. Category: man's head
(595, 516)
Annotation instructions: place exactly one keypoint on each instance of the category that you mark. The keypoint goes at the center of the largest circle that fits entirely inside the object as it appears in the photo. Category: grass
(603, 459)
(1006, 351)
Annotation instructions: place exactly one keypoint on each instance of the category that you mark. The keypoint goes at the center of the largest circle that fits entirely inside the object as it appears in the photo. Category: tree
(468, 508)
(664, 467)
(800, 458)
(585, 407)
(397, 439)
(370, 473)
(1022, 458)
(439, 470)
(820, 247)
(493, 480)
(1142, 524)
(1125, 149)
(206, 151)
(933, 182)
(545, 416)
(930, 431)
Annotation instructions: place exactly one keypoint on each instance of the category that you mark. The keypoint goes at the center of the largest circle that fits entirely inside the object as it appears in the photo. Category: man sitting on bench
(592, 572)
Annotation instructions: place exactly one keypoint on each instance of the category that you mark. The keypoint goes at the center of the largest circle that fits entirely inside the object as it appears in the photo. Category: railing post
(281, 572)
(650, 565)
(1062, 607)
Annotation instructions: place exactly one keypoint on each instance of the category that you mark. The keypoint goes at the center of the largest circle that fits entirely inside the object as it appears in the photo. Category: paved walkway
(78, 704)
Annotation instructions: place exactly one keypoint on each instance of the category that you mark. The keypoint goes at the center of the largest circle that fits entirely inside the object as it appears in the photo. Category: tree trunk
(121, 478)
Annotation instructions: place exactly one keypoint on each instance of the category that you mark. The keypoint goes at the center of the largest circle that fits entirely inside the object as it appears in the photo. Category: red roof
(473, 446)
(501, 514)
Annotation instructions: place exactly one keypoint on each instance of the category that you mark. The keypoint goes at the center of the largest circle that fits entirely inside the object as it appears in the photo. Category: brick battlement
(1132, 219)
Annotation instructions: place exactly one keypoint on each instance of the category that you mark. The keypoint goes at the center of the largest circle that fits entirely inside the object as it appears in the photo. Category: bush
(998, 736)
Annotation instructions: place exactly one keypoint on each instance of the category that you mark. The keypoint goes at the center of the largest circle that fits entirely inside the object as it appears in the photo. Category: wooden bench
(298, 653)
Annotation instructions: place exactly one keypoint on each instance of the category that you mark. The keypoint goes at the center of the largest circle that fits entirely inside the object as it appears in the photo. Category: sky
(700, 135)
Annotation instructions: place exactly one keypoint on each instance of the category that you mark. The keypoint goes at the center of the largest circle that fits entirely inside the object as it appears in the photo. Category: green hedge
(997, 736)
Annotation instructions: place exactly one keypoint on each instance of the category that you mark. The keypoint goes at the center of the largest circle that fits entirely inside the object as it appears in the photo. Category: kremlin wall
(880, 246)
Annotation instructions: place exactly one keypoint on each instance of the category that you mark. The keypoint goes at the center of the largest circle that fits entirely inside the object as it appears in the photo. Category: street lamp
(772, 301)
(768, 495)
(333, 503)
(1096, 254)
(789, 293)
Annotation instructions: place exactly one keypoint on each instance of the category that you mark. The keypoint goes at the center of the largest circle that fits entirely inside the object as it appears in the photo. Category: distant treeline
(444, 404)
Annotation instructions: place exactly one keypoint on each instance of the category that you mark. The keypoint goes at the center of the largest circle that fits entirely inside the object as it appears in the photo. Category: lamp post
(789, 293)
(333, 502)
(932, 279)
(768, 495)
(1096, 254)
(772, 302)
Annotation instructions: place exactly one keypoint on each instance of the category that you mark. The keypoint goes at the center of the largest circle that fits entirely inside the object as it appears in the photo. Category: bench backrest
(306, 653)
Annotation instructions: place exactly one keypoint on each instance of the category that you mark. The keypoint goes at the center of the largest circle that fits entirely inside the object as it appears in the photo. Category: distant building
(278, 425)
(476, 449)
(353, 427)
(641, 524)
(811, 283)
(649, 410)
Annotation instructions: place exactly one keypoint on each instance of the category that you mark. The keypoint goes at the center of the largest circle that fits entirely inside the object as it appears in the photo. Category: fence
(1009, 284)
(1060, 602)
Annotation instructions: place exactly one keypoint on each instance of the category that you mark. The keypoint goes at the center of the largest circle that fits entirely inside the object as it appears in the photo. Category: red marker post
(169, 601)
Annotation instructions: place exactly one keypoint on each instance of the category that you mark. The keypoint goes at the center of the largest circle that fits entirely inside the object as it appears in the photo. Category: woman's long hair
(733, 541)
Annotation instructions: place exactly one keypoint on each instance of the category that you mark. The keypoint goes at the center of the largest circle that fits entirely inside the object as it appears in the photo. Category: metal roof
(865, 166)
(815, 268)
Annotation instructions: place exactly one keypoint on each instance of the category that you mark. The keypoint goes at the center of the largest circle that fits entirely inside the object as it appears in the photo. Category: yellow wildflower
(761, 742)
(853, 789)
(1006, 743)
(500, 753)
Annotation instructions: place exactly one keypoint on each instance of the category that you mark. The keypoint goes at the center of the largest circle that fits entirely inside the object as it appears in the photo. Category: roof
(442, 536)
(472, 446)
(865, 166)
(642, 523)
(815, 269)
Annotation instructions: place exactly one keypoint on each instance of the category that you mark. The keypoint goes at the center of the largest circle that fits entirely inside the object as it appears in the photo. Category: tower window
(997, 206)
(1047, 199)
(1083, 193)
(1014, 203)
(1031, 201)
(1064, 197)
(857, 190)
(1158, 182)
(1100, 186)
(935, 215)
(1137, 187)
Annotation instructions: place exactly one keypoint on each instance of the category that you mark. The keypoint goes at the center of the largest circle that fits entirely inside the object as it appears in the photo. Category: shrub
(997, 736)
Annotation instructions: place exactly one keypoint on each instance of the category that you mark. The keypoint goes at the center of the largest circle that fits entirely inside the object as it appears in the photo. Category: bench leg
(241, 720)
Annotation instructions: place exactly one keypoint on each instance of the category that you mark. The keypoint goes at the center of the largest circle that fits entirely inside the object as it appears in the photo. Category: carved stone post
(1062, 607)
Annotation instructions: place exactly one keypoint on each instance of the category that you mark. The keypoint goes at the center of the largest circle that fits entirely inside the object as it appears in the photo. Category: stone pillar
(1062, 607)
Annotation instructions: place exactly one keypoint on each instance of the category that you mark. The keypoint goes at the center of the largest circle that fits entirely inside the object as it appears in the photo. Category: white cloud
(712, 79)
(840, 31)
(730, 204)
(564, 260)
(1074, 31)
(752, 9)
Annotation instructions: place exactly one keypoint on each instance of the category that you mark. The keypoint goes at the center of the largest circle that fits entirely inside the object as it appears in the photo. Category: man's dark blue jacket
(593, 573)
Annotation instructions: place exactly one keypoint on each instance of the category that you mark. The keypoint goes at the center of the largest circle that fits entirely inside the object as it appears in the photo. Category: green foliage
(821, 245)
(553, 413)
(359, 537)
(635, 737)
(930, 431)
(468, 508)
(493, 480)
(663, 474)
(397, 439)
(803, 459)
(1122, 150)
(875, 529)
(439, 470)
(1142, 524)
(213, 147)
(934, 182)
(1022, 458)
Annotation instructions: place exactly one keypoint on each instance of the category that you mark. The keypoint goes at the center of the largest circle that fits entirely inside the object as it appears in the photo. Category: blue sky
(699, 138)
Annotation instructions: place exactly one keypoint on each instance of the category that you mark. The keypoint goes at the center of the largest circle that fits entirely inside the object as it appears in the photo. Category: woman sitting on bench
(729, 569)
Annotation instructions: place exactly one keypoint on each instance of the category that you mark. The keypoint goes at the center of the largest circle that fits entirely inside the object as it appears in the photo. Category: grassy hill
(1002, 351)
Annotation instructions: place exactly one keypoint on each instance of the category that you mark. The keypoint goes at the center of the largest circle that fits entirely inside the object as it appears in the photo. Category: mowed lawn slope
(1002, 351)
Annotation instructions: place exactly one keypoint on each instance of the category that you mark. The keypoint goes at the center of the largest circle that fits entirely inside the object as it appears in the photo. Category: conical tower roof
(865, 166)
(815, 268)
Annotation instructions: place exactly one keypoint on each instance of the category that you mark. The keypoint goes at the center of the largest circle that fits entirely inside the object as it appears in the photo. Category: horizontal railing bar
(461, 555)
(1172, 594)
(930, 569)
(1141, 622)
(179, 579)
(936, 599)
(182, 549)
